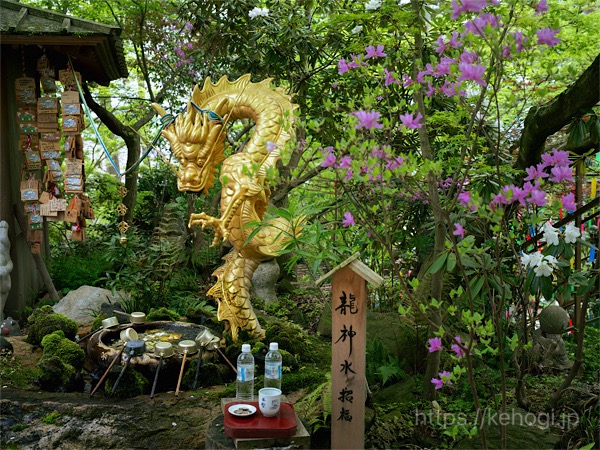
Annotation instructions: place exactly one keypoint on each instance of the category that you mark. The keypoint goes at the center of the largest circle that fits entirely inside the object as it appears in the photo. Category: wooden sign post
(349, 332)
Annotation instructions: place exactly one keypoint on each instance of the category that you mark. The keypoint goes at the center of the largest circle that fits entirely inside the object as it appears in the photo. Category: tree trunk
(433, 359)
(544, 121)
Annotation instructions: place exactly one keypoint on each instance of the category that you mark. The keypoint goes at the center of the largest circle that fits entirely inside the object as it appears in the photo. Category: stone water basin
(104, 345)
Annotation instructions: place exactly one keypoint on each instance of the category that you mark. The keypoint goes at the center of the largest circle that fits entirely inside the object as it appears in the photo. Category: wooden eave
(95, 49)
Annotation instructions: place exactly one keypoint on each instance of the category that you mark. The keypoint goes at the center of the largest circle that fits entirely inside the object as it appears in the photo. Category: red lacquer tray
(258, 426)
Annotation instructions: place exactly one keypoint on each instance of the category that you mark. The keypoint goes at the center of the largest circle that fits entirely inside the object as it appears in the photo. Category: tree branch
(543, 121)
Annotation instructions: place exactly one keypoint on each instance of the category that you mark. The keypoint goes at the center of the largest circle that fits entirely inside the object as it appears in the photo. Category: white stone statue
(6, 266)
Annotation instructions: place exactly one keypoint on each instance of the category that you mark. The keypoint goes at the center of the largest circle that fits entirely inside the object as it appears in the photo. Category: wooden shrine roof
(96, 49)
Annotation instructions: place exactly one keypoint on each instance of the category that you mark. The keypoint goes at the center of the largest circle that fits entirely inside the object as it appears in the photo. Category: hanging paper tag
(45, 210)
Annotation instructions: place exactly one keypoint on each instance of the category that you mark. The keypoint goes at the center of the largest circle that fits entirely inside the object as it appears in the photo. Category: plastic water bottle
(245, 375)
(273, 366)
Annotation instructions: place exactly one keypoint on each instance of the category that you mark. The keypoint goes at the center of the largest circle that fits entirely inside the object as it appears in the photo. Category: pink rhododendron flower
(374, 52)
(330, 160)
(367, 119)
(443, 68)
(356, 61)
(537, 197)
(342, 66)
(435, 344)
(441, 45)
(468, 57)
(535, 172)
(438, 383)
(459, 230)
(467, 6)
(471, 72)
(348, 220)
(464, 198)
(430, 89)
(561, 173)
(477, 25)
(345, 162)
(457, 349)
(410, 121)
(390, 78)
(271, 146)
(407, 80)
(519, 41)
(568, 202)
(548, 36)
(541, 7)
(454, 42)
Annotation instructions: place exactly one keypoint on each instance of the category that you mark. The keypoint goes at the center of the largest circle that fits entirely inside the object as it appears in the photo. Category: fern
(316, 407)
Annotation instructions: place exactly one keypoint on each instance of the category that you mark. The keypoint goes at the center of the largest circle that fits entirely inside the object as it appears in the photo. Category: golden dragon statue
(197, 139)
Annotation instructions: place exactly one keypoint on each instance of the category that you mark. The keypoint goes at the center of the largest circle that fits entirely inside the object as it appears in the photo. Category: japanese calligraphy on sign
(348, 354)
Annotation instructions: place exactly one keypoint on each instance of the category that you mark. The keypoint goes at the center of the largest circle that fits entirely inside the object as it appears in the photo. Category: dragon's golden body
(197, 139)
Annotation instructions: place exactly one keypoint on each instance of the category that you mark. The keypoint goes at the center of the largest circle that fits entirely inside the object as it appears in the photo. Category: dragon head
(197, 141)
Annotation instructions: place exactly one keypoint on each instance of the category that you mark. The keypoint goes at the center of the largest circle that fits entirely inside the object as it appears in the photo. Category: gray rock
(264, 281)
(82, 304)
(523, 430)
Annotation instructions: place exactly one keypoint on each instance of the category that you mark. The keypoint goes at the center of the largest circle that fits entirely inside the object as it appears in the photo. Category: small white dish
(242, 410)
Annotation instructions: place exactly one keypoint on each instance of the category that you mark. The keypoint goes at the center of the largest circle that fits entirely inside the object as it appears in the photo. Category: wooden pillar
(348, 355)
(348, 360)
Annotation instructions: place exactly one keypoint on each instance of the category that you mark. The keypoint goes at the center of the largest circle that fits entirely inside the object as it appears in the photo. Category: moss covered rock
(162, 313)
(56, 344)
(132, 384)
(57, 376)
(44, 321)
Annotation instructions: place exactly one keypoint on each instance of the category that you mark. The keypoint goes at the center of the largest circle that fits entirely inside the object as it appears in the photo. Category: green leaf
(476, 285)
(451, 262)
(438, 264)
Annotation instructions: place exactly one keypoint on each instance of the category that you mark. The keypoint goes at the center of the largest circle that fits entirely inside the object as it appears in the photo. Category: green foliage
(52, 418)
(131, 384)
(162, 313)
(82, 264)
(315, 408)
(56, 376)
(156, 273)
(15, 375)
(44, 321)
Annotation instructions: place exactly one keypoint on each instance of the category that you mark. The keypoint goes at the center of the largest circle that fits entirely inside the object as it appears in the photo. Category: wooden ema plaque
(348, 354)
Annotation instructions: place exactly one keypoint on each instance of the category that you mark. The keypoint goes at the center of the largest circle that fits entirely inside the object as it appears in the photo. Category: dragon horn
(159, 109)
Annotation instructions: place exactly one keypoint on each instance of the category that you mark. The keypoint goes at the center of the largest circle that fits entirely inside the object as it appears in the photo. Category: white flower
(543, 269)
(571, 233)
(256, 11)
(403, 2)
(550, 234)
(372, 5)
(531, 260)
(357, 29)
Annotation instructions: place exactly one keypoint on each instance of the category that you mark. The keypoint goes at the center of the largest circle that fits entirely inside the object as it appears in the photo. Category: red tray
(259, 426)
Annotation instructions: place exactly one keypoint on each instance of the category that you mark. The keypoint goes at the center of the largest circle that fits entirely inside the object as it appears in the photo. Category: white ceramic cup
(269, 401)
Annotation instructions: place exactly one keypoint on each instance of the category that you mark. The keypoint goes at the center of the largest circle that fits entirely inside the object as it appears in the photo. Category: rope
(165, 121)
